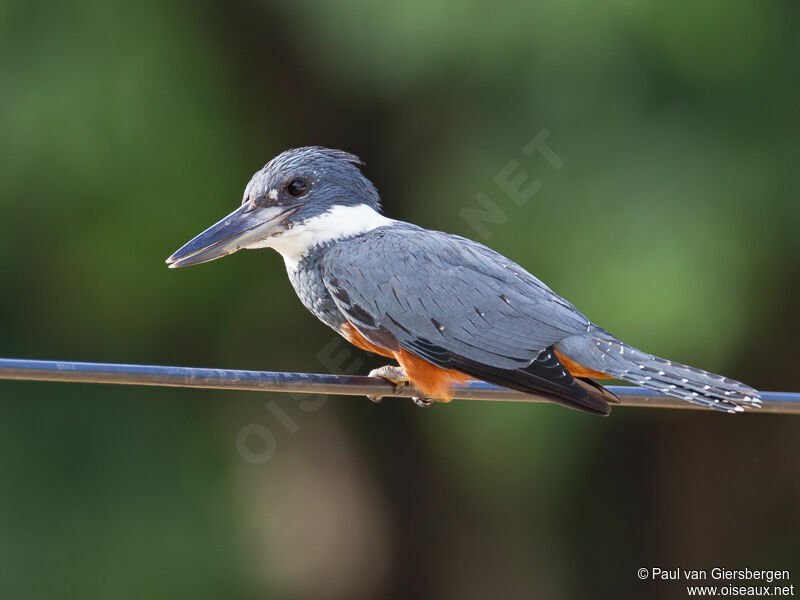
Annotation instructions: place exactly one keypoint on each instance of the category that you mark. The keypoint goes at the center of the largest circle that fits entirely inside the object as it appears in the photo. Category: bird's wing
(446, 299)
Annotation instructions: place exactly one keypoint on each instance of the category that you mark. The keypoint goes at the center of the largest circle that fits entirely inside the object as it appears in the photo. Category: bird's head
(301, 198)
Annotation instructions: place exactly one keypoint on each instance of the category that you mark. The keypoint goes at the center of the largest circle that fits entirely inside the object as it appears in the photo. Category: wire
(309, 383)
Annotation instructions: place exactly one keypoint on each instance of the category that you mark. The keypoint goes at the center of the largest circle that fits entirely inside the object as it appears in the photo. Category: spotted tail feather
(599, 350)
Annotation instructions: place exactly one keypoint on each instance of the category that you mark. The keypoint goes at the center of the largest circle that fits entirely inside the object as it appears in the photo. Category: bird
(446, 308)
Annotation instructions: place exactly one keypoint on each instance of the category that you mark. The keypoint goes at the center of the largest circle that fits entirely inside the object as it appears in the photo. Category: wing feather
(445, 297)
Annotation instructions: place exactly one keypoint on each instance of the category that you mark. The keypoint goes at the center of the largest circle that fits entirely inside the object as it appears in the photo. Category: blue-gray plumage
(446, 307)
(309, 284)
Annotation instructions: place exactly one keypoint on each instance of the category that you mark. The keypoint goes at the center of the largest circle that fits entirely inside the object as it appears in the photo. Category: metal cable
(348, 385)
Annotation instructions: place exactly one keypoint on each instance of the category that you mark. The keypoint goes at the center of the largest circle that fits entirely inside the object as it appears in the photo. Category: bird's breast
(306, 279)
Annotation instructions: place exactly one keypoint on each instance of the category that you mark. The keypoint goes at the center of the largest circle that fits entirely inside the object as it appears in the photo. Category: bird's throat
(339, 222)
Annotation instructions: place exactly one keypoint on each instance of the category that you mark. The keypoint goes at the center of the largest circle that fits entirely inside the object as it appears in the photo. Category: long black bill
(243, 227)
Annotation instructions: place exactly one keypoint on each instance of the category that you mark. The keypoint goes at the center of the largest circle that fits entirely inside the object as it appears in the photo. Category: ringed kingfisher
(446, 308)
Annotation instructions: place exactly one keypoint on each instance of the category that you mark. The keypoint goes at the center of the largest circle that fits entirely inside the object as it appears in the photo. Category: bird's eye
(297, 187)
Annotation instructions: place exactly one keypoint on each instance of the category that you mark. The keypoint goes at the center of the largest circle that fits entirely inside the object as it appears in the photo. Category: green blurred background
(126, 128)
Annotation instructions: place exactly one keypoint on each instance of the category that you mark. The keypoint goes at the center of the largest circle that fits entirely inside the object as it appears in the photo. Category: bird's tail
(601, 351)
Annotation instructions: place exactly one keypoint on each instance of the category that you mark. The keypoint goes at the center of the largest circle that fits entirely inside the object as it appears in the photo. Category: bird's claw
(398, 377)
(391, 373)
(421, 402)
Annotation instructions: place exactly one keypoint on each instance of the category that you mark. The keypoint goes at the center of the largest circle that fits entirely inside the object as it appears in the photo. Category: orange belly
(352, 335)
(436, 382)
(429, 379)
